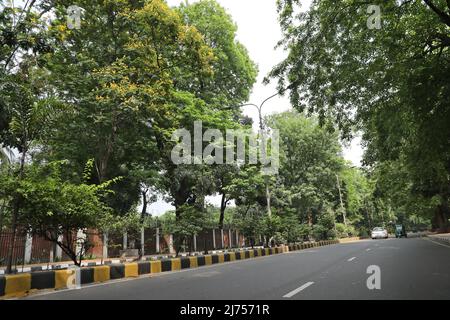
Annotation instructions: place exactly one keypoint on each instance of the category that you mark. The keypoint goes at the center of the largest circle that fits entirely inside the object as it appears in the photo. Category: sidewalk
(443, 238)
(419, 234)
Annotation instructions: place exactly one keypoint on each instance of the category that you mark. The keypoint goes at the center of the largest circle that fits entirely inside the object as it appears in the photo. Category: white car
(379, 233)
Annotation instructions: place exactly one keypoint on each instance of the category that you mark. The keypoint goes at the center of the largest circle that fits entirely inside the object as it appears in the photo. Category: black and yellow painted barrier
(24, 283)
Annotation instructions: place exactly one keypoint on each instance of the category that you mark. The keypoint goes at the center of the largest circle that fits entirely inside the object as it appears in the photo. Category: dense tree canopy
(88, 116)
(390, 82)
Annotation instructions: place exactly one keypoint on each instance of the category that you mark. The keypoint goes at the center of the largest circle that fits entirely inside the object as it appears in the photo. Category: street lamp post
(261, 128)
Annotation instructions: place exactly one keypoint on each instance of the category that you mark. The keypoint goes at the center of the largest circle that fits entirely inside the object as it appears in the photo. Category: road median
(19, 285)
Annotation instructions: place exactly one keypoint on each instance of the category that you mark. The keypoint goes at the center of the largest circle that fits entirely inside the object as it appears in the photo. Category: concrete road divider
(144, 267)
(131, 270)
(17, 284)
(176, 264)
(166, 265)
(43, 280)
(232, 256)
(101, 274)
(24, 283)
(193, 262)
(87, 275)
(208, 260)
(62, 278)
(155, 266)
(185, 262)
(116, 271)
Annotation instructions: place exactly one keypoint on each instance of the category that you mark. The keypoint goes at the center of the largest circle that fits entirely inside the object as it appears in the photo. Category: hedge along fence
(23, 284)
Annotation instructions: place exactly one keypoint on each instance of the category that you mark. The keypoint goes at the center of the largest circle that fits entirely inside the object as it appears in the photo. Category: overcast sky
(259, 31)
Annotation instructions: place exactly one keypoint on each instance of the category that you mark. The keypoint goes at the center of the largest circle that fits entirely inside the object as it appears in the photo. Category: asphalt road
(409, 269)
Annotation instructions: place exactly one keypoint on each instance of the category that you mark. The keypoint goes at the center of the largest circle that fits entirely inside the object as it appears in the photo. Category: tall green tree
(390, 82)
(310, 158)
(29, 119)
(228, 84)
(116, 80)
(234, 73)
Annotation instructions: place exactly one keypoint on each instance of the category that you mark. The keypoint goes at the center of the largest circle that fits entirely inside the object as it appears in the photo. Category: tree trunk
(143, 215)
(340, 200)
(223, 206)
(12, 243)
(269, 211)
(144, 205)
(16, 208)
(441, 216)
(177, 240)
(2, 208)
(66, 248)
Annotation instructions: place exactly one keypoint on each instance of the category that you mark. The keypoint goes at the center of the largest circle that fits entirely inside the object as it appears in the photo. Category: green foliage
(203, 96)
(249, 221)
(320, 232)
(310, 158)
(291, 230)
(270, 226)
(118, 94)
(53, 208)
(343, 231)
(234, 73)
(324, 229)
(184, 227)
(82, 107)
(304, 231)
(391, 83)
(278, 239)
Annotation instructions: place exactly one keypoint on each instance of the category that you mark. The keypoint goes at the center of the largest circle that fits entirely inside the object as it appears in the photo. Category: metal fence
(29, 250)
(18, 249)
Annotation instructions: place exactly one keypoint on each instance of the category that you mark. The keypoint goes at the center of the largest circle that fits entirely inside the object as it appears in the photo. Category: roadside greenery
(388, 83)
(87, 115)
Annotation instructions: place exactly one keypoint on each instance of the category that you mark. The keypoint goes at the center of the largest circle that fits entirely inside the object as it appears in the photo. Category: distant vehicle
(400, 231)
(378, 233)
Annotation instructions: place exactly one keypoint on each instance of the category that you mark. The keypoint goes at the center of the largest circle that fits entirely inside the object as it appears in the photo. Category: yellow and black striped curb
(302, 246)
(25, 283)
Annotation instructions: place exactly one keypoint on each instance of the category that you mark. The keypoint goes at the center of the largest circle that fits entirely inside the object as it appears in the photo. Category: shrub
(363, 233)
(304, 231)
(344, 231)
(340, 230)
(278, 238)
(319, 232)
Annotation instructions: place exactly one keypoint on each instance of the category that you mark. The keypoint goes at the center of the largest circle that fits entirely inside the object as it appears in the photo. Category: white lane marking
(368, 249)
(294, 292)
(351, 259)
